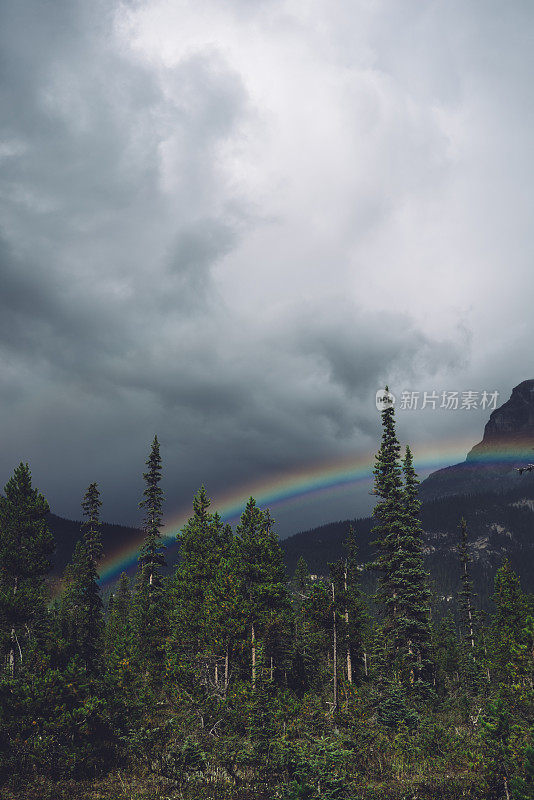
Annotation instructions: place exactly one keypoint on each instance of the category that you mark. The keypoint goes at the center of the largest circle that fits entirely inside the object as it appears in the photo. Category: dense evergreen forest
(226, 679)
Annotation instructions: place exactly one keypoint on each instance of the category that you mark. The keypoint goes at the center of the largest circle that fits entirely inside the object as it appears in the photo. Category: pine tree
(204, 542)
(119, 631)
(413, 623)
(81, 609)
(264, 586)
(301, 579)
(387, 511)
(446, 652)
(315, 642)
(226, 621)
(522, 786)
(92, 537)
(151, 558)
(403, 582)
(510, 656)
(496, 732)
(388, 530)
(150, 619)
(25, 547)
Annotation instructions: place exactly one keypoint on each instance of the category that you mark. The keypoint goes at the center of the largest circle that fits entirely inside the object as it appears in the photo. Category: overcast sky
(228, 222)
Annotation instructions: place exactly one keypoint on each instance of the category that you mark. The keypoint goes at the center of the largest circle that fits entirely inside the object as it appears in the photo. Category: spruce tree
(522, 786)
(92, 537)
(119, 631)
(301, 578)
(316, 637)
(151, 558)
(204, 542)
(226, 621)
(264, 586)
(413, 623)
(403, 590)
(388, 530)
(150, 620)
(509, 633)
(26, 545)
(81, 609)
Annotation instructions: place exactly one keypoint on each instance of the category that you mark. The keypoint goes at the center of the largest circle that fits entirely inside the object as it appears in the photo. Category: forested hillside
(224, 678)
(501, 525)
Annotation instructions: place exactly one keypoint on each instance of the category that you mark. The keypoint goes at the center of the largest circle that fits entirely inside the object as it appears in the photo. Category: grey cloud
(125, 210)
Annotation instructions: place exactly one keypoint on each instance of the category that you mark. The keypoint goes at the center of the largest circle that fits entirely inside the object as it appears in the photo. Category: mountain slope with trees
(227, 679)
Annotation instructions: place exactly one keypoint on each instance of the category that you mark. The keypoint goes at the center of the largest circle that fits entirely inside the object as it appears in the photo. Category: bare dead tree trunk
(349, 658)
(334, 642)
(253, 657)
(365, 668)
(272, 669)
(11, 657)
(13, 639)
(466, 582)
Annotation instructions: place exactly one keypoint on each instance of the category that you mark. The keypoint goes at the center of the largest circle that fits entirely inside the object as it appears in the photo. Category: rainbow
(294, 487)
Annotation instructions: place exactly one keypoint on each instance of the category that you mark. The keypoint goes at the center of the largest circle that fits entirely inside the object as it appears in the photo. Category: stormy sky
(229, 222)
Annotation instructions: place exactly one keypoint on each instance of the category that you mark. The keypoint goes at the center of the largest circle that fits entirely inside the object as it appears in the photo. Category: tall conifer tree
(264, 583)
(403, 582)
(119, 631)
(151, 558)
(81, 610)
(204, 542)
(150, 619)
(26, 545)
(388, 530)
(509, 627)
(92, 536)
(413, 625)
(81, 613)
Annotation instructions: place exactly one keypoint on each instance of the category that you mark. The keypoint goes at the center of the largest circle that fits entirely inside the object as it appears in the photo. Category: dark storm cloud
(225, 227)
(361, 349)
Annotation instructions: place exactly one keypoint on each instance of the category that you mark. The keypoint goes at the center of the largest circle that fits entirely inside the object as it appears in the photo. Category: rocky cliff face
(510, 429)
(508, 442)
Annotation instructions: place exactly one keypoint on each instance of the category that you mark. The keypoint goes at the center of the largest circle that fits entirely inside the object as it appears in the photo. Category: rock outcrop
(510, 428)
(508, 442)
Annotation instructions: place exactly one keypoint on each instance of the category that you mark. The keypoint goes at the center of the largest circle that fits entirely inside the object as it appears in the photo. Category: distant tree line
(226, 679)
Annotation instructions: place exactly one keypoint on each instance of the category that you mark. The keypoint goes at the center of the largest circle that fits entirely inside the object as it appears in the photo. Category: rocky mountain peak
(508, 442)
(510, 428)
